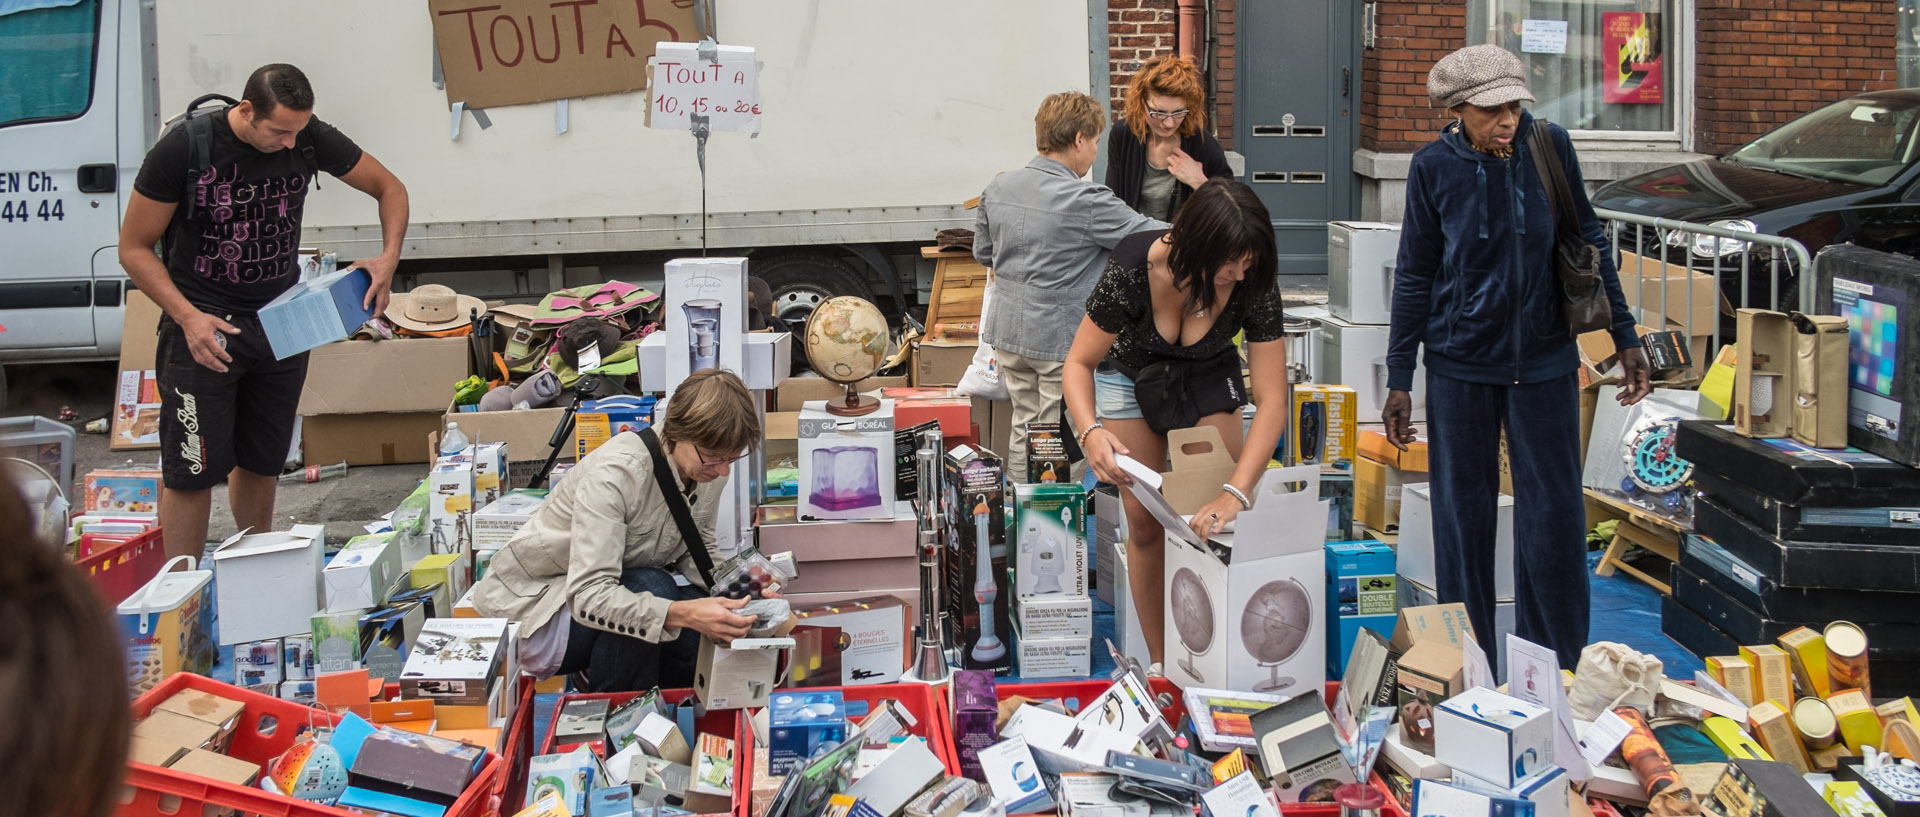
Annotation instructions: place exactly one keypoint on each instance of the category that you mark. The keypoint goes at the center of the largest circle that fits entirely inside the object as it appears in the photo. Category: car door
(59, 204)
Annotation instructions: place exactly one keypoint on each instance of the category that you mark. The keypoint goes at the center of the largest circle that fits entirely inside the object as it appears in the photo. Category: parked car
(1845, 172)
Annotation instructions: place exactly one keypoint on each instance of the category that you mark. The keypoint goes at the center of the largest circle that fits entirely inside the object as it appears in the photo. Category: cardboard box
(173, 729)
(846, 464)
(368, 439)
(1054, 616)
(1873, 290)
(908, 768)
(450, 504)
(1325, 424)
(455, 660)
(1050, 542)
(1670, 293)
(1772, 674)
(361, 573)
(152, 752)
(1760, 788)
(1432, 798)
(1361, 592)
(1062, 743)
(1416, 546)
(1736, 674)
(1360, 262)
(795, 392)
(1775, 731)
(1493, 737)
(122, 491)
(525, 433)
(913, 406)
(1200, 465)
(858, 557)
(221, 713)
(1375, 446)
(1254, 616)
(941, 362)
(490, 474)
(875, 628)
(214, 766)
(1859, 722)
(317, 312)
(1047, 454)
(1550, 793)
(495, 524)
(258, 663)
(801, 723)
(1355, 356)
(706, 312)
(769, 360)
(447, 569)
(415, 768)
(167, 627)
(1013, 777)
(267, 585)
(738, 677)
(410, 375)
(336, 640)
(976, 711)
(1378, 493)
(387, 636)
(977, 592)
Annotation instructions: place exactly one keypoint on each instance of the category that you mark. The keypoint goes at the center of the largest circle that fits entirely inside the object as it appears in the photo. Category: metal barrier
(1685, 244)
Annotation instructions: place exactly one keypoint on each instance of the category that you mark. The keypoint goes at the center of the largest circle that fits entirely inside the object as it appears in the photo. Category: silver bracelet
(1245, 504)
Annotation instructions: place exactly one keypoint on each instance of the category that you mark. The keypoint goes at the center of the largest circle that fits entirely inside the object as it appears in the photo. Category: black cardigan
(1127, 164)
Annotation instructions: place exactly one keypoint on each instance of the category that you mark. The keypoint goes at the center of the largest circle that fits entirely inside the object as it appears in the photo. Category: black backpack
(198, 121)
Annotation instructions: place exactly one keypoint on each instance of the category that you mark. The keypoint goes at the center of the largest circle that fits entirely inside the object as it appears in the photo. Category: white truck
(879, 118)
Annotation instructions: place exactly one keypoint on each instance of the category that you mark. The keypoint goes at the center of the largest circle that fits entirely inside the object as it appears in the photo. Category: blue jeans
(621, 663)
(1551, 596)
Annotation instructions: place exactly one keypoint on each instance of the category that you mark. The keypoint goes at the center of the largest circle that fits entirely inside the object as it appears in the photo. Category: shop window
(1598, 69)
(46, 58)
(1906, 41)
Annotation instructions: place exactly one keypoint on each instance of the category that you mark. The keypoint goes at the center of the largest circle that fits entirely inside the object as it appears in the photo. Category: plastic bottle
(315, 473)
(454, 441)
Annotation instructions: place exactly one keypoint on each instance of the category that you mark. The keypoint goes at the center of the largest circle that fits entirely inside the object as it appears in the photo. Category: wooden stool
(1637, 527)
(959, 283)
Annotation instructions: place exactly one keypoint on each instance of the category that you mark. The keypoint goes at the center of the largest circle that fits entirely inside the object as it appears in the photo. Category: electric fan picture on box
(1249, 615)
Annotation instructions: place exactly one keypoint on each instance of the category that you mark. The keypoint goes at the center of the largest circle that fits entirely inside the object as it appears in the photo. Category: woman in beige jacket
(591, 578)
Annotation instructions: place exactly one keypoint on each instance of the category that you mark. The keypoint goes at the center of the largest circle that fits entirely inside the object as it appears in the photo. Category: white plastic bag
(982, 378)
(1613, 674)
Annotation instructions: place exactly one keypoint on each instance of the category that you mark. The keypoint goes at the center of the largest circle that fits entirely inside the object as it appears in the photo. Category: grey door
(1299, 118)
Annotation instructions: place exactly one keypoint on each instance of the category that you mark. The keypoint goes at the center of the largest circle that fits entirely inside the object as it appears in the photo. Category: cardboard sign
(726, 90)
(510, 52)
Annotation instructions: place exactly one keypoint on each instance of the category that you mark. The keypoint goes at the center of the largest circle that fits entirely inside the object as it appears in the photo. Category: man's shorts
(213, 422)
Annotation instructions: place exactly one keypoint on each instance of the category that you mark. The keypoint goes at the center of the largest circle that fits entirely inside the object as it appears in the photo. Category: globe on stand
(846, 340)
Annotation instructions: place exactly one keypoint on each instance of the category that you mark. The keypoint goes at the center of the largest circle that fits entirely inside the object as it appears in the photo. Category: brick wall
(1409, 38)
(1762, 62)
(1137, 30)
(1223, 72)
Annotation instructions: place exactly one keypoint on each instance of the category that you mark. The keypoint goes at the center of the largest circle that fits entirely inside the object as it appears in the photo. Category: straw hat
(433, 308)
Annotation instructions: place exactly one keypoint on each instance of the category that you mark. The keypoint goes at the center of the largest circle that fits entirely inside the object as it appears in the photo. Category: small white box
(769, 361)
(1014, 778)
(490, 476)
(846, 463)
(455, 661)
(1360, 260)
(1126, 618)
(1051, 657)
(495, 523)
(1355, 355)
(706, 316)
(1064, 744)
(1432, 798)
(450, 504)
(362, 573)
(908, 768)
(1547, 792)
(1493, 737)
(1415, 549)
(267, 585)
(259, 662)
(1054, 617)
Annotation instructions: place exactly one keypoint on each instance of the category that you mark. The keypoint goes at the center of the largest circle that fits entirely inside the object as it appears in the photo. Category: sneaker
(1156, 671)
(578, 681)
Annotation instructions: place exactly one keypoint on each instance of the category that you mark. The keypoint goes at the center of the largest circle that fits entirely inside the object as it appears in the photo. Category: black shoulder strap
(677, 504)
(1546, 161)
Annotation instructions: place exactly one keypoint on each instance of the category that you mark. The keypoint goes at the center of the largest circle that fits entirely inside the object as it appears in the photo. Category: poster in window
(1630, 42)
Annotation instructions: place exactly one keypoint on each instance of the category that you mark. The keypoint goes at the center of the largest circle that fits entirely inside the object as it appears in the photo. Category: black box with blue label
(1706, 559)
(1836, 565)
(1795, 492)
(1877, 292)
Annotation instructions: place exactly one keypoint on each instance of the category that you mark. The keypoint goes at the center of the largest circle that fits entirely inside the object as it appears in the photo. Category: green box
(1049, 539)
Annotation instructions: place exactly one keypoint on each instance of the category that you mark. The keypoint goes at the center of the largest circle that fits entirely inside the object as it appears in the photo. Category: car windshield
(1865, 140)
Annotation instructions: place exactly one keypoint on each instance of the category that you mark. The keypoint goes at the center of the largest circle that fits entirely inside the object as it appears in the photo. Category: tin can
(1813, 718)
(1847, 657)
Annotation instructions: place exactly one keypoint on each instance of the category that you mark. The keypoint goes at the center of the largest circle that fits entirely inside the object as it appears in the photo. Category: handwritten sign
(508, 52)
(726, 90)
(1543, 36)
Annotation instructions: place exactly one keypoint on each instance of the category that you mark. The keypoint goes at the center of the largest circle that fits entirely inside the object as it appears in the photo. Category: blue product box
(317, 312)
(798, 723)
(615, 801)
(1362, 591)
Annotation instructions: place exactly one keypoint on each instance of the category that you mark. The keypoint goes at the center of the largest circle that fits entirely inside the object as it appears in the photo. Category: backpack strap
(677, 504)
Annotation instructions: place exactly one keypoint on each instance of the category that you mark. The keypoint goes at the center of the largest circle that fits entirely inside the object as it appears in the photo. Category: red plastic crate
(720, 722)
(919, 700)
(516, 747)
(267, 727)
(126, 567)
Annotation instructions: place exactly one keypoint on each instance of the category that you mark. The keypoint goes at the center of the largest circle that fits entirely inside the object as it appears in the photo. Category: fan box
(1250, 614)
(846, 464)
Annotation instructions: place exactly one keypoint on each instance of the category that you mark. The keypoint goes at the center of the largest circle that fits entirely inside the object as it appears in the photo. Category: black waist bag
(1175, 394)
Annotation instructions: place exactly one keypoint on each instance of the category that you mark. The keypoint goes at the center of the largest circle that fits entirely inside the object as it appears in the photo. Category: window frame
(1680, 80)
(93, 75)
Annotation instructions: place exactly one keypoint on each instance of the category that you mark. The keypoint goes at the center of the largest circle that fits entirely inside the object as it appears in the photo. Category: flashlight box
(1326, 424)
(1049, 531)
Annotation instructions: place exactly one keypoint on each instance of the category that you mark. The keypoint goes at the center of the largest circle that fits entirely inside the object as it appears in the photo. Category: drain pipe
(1192, 28)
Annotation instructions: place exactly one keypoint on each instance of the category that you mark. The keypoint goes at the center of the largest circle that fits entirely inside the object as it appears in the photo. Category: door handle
(1346, 80)
(96, 178)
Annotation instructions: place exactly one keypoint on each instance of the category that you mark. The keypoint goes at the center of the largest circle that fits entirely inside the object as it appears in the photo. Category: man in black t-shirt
(227, 405)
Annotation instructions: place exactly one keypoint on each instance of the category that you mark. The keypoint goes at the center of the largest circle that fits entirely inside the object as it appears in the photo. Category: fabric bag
(1575, 262)
(1175, 394)
(982, 378)
(1613, 675)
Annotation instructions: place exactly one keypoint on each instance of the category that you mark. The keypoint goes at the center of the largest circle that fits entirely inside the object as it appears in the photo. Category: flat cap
(1483, 75)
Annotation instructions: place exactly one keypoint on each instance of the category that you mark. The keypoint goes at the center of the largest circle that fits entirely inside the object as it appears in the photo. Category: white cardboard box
(846, 463)
(1051, 657)
(1547, 791)
(450, 504)
(361, 573)
(1415, 550)
(490, 475)
(1013, 777)
(1360, 262)
(495, 524)
(1273, 590)
(1355, 355)
(1054, 617)
(706, 316)
(876, 629)
(267, 585)
(769, 361)
(1064, 744)
(910, 767)
(1496, 738)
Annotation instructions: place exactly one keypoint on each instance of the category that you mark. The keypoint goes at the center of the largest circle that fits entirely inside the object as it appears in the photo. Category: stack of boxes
(1350, 347)
(1052, 614)
(266, 586)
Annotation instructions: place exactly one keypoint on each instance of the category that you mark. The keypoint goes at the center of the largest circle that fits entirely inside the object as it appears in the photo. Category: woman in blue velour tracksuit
(1475, 286)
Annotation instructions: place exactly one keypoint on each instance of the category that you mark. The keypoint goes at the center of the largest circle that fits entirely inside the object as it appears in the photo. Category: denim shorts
(1113, 395)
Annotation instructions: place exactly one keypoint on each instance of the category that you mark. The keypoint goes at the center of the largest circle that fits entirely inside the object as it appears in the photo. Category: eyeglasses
(705, 460)
(1179, 114)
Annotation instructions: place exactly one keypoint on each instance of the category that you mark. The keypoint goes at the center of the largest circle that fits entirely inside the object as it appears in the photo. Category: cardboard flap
(1196, 448)
(1446, 622)
(1272, 527)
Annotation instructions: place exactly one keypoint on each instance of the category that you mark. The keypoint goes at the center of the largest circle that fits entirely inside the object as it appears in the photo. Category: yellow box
(1772, 674)
(1900, 709)
(451, 569)
(1807, 652)
(1376, 492)
(1859, 723)
(1775, 731)
(1850, 800)
(1325, 427)
(1731, 736)
(1736, 674)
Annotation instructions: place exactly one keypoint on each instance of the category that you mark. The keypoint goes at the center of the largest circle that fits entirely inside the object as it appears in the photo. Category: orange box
(395, 712)
(463, 717)
(346, 692)
(913, 406)
(488, 738)
(1374, 446)
(417, 727)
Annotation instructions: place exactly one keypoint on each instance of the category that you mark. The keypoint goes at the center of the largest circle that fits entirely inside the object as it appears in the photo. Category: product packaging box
(1763, 380)
(495, 524)
(1774, 728)
(976, 710)
(387, 635)
(1805, 494)
(136, 412)
(601, 420)
(1355, 355)
(1360, 261)
(874, 646)
(800, 723)
(1493, 737)
(908, 768)
(450, 492)
(846, 464)
(581, 721)
(267, 585)
(1054, 617)
(1761, 788)
(1047, 454)
(1250, 615)
(1432, 798)
(1761, 604)
(1772, 674)
(223, 714)
(1337, 488)
(362, 573)
(490, 475)
(740, 676)
(1548, 792)
(1416, 546)
(259, 663)
(1735, 673)
(1062, 743)
(1832, 565)
(1361, 592)
(297, 658)
(448, 569)
(1050, 549)
(433, 599)
(706, 314)
(1875, 292)
(367, 377)
(978, 595)
(568, 776)
(336, 639)
(127, 491)
(1037, 657)
(1201, 464)
(167, 627)
(1325, 424)
(1013, 777)
(1300, 749)
(317, 312)
(455, 660)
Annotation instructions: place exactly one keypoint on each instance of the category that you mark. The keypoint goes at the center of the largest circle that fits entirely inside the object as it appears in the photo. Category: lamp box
(490, 476)
(1049, 529)
(1250, 615)
(1361, 592)
(336, 639)
(317, 312)
(1054, 617)
(495, 524)
(1326, 425)
(450, 504)
(601, 420)
(451, 570)
(706, 314)
(267, 585)
(362, 573)
(976, 559)
(846, 464)
(455, 660)
(1035, 657)
(976, 710)
(1493, 737)
(1877, 292)
(873, 646)
(1046, 454)
(387, 635)
(799, 723)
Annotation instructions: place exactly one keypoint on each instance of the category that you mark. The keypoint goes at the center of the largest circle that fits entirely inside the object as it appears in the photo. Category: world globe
(846, 340)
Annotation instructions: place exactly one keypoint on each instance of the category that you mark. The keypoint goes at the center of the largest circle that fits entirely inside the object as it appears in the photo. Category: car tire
(803, 280)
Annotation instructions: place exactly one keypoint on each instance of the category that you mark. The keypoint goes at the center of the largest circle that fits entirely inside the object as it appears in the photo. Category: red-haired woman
(1162, 152)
